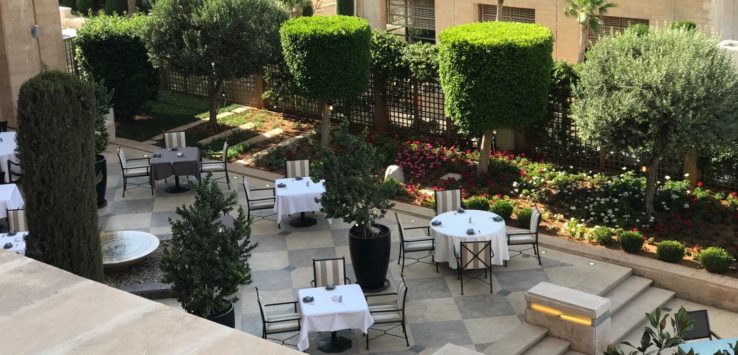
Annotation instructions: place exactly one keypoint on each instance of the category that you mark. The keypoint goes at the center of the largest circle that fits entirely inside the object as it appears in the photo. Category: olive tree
(656, 96)
(217, 39)
(495, 75)
(329, 58)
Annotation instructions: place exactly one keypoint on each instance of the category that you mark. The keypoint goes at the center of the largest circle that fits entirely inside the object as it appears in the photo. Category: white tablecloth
(10, 198)
(7, 151)
(453, 231)
(17, 240)
(297, 196)
(326, 315)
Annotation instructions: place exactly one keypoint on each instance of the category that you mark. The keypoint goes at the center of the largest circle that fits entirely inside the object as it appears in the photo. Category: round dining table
(468, 226)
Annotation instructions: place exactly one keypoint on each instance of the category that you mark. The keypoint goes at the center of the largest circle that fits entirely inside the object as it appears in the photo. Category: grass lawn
(169, 111)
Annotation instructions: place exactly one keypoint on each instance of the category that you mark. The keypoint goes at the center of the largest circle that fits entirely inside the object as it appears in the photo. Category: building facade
(423, 20)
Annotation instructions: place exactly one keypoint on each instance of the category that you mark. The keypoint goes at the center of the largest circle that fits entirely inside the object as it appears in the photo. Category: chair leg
(399, 254)
(124, 186)
(461, 279)
(403, 264)
(367, 339)
(490, 279)
(407, 342)
(539, 255)
(228, 179)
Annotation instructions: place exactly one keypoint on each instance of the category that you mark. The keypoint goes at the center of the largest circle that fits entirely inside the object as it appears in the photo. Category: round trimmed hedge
(670, 251)
(477, 203)
(716, 259)
(328, 56)
(602, 235)
(631, 242)
(502, 208)
(111, 50)
(495, 74)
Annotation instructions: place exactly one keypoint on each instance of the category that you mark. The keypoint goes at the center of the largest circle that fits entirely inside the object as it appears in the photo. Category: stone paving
(436, 312)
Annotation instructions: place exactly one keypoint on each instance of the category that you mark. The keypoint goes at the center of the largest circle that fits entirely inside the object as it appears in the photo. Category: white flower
(573, 208)
(515, 184)
(686, 175)
(686, 205)
(667, 177)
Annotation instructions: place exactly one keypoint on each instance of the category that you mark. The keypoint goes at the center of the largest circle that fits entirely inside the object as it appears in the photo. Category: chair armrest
(418, 227)
(381, 294)
(137, 167)
(521, 233)
(385, 310)
(420, 240)
(135, 159)
(262, 189)
(347, 280)
(261, 199)
(281, 303)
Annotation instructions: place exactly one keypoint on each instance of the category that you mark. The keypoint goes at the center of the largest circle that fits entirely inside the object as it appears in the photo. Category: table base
(335, 344)
(177, 188)
(303, 221)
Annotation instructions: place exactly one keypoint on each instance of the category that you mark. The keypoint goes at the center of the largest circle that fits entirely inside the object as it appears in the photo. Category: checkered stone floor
(437, 313)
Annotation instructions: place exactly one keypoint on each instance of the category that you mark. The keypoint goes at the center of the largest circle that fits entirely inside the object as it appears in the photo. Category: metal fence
(242, 91)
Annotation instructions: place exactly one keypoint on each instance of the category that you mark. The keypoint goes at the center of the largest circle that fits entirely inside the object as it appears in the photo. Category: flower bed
(574, 204)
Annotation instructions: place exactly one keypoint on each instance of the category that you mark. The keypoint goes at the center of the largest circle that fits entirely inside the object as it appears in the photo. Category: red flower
(634, 229)
(699, 183)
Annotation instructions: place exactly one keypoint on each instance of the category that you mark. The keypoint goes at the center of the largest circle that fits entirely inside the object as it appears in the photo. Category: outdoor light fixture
(561, 315)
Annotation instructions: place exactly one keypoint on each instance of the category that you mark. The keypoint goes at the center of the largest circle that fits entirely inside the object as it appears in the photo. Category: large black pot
(101, 176)
(227, 318)
(370, 258)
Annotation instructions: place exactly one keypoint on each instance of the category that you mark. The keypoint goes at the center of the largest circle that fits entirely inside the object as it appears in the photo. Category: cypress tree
(56, 117)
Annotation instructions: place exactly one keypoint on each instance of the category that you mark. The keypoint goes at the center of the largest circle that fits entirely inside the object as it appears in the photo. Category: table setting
(8, 148)
(14, 242)
(451, 228)
(299, 194)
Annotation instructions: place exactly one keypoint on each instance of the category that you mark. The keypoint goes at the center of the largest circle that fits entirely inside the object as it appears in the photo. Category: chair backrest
(225, 151)
(476, 255)
(262, 310)
(400, 228)
(701, 328)
(17, 220)
(176, 139)
(122, 158)
(401, 294)
(295, 168)
(329, 271)
(14, 170)
(246, 189)
(535, 220)
(449, 200)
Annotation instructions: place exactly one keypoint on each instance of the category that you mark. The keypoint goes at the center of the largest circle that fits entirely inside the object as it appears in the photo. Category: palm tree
(499, 10)
(589, 15)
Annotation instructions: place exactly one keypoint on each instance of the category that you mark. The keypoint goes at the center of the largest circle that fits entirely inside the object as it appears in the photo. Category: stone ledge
(152, 290)
(690, 284)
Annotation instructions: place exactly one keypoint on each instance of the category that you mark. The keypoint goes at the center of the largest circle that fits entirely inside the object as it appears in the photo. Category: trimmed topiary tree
(631, 241)
(329, 58)
(716, 259)
(657, 96)
(56, 138)
(111, 50)
(495, 75)
(220, 40)
(671, 251)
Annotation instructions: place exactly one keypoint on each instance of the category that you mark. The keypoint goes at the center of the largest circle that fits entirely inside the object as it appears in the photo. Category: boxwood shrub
(328, 56)
(489, 69)
(503, 208)
(524, 215)
(631, 241)
(670, 251)
(602, 235)
(110, 49)
(716, 259)
(477, 203)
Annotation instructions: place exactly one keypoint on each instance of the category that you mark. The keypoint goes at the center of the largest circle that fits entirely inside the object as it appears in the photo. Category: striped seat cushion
(475, 255)
(449, 200)
(329, 271)
(297, 168)
(175, 139)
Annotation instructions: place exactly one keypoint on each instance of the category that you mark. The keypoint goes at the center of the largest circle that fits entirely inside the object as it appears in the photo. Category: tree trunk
(498, 15)
(381, 121)
(325, 124)
(483, 167)
(583, 39)
(652, 174)
(131, 7)
(214, 86)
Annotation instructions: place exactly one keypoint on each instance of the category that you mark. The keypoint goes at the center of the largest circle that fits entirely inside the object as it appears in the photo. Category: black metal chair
(174, 139)
(217, 166)
(137, 171)
(449, 200)
(17, 220)
(529, 237)
(15, 171)
(278, 323)
(329, 271)
(424, 243)
(258, 203)
(474, 256)
(389, 313)
(701, 328)
(295, 168)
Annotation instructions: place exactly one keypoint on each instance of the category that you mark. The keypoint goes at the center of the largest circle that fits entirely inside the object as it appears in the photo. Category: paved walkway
(437, 314)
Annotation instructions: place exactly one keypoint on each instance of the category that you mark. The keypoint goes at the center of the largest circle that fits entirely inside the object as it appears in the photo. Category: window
(413, 19)
(612, 25)
(510, 14)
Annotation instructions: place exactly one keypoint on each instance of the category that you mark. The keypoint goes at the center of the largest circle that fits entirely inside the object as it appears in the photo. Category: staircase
(631, 298)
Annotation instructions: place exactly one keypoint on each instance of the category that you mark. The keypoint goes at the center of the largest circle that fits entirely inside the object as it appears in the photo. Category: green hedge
(503, 208)
(716, 259)
(670, 251)
(631, 242)
(477, 203)
(524, 215)
(495, 74)
(56, 117)
(602, 235)
(328, 56)
(111, 50)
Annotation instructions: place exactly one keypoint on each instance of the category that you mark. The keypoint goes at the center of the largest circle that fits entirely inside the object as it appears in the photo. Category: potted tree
(103, 99)
(355, 192)
(207, 260)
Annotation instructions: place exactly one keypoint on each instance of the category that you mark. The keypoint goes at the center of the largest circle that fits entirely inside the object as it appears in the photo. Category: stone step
(626, 291)
(572, 352)
(608, 277)
(518, 340)
(549, 346)
(632, 314)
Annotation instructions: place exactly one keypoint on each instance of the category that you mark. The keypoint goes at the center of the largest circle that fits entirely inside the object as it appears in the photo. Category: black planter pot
(101, 170)
(227, 318)
(370, 258)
